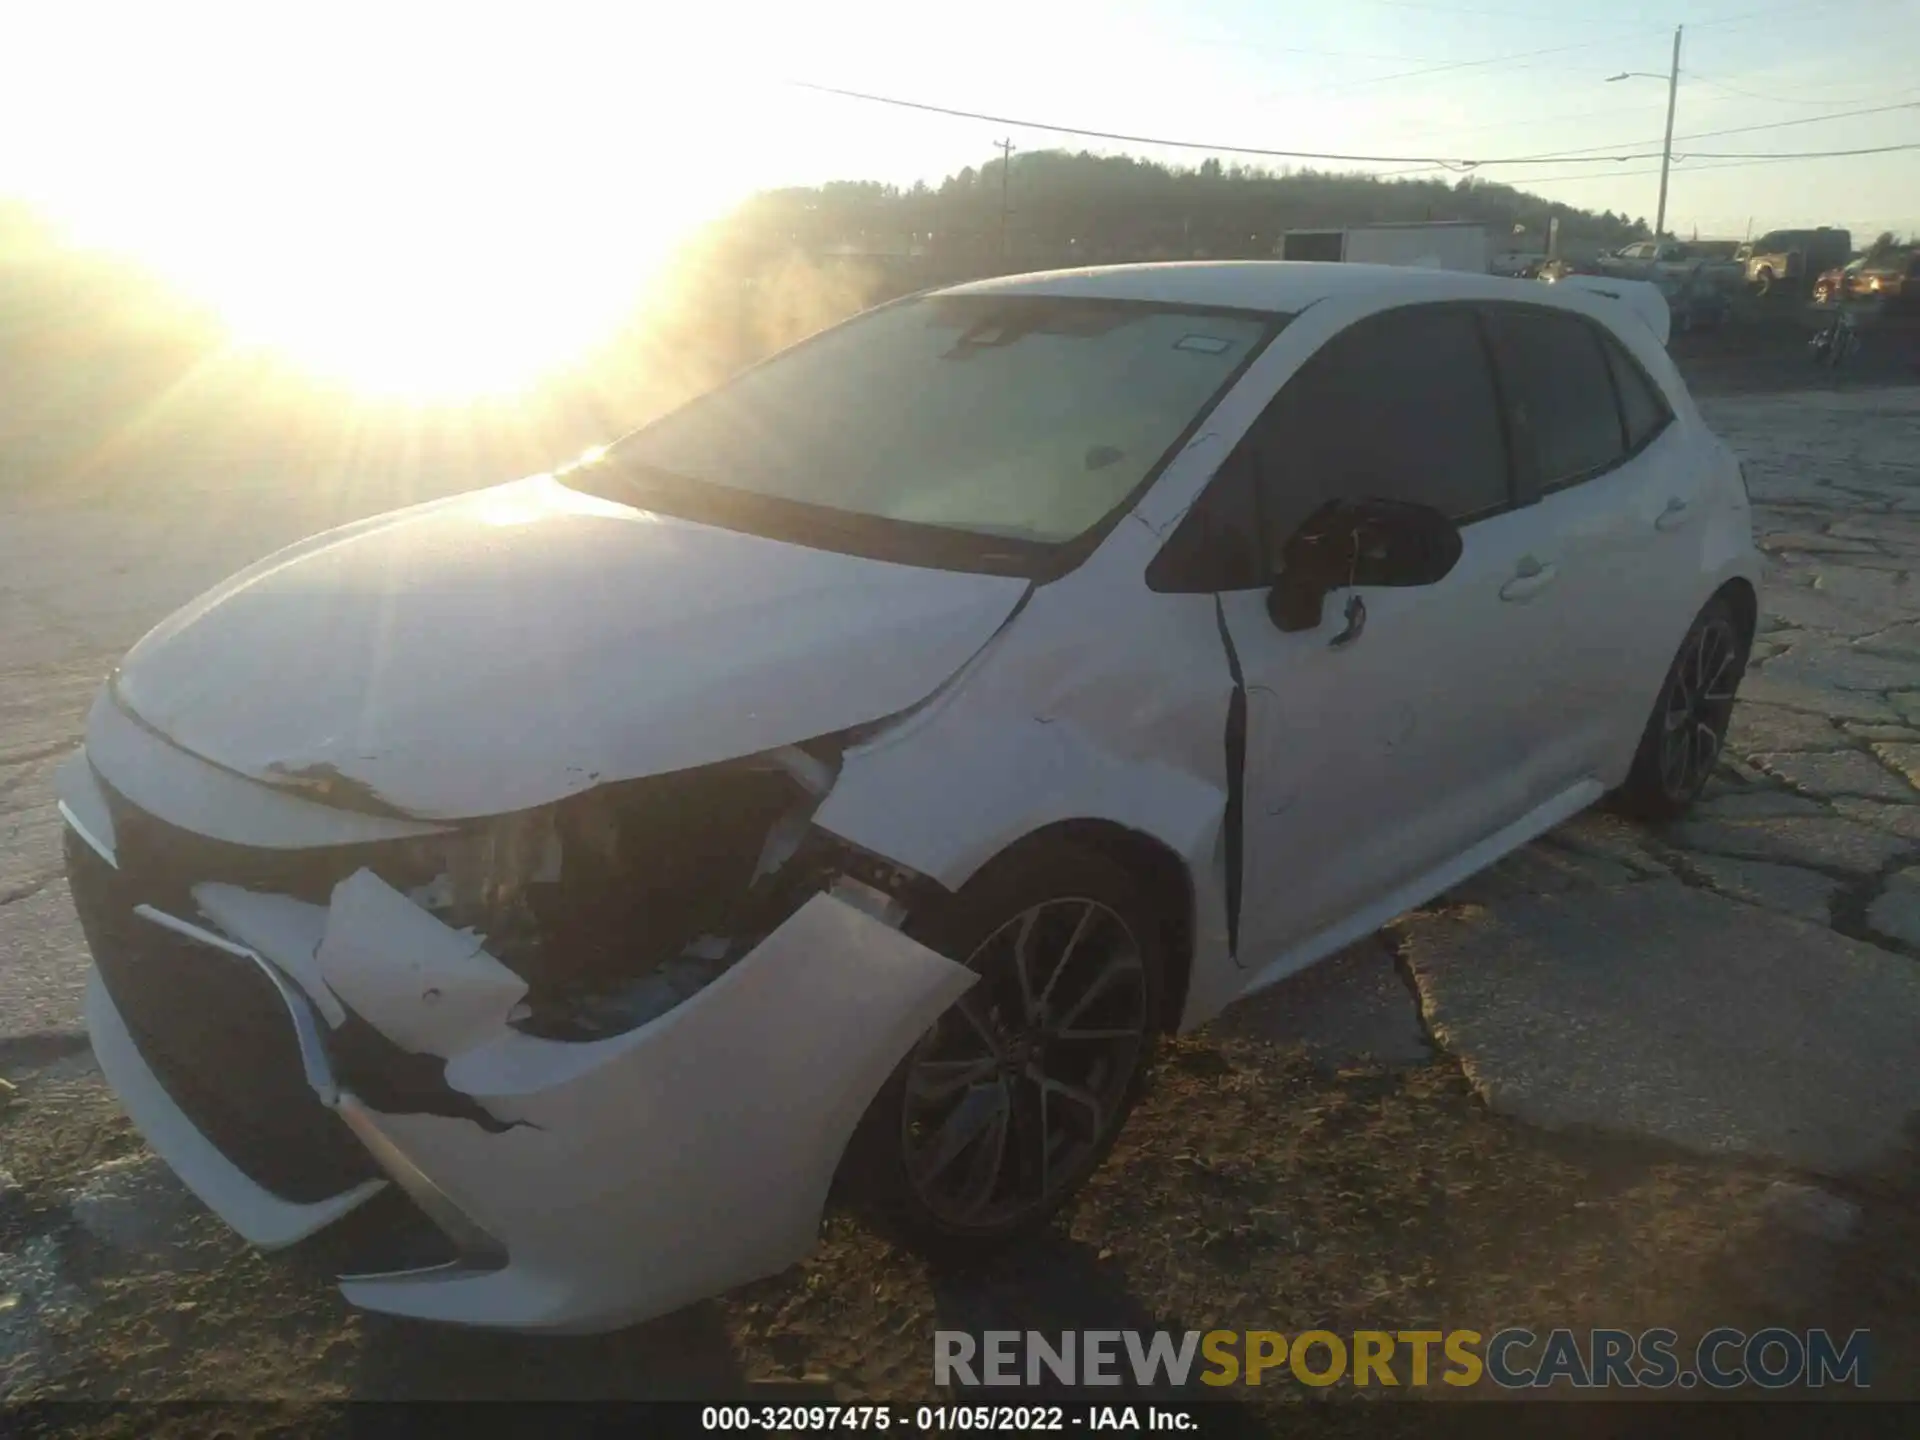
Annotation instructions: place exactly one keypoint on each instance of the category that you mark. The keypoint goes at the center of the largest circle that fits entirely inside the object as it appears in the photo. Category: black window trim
(1611, 344)
(1515, 498)
(1530, 489)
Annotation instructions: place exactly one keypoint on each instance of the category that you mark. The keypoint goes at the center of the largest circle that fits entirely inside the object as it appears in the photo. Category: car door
(1375, 752)
(1613, 498)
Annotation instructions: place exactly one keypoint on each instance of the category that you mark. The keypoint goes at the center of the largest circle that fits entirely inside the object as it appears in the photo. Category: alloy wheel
(1697, 707)
(1012, 1093)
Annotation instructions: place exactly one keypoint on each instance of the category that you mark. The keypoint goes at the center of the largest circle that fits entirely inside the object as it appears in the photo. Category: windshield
(1025, 418)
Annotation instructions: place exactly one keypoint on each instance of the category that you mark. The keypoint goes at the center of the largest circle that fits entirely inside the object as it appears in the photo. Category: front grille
(166, 862)
(214, 1030)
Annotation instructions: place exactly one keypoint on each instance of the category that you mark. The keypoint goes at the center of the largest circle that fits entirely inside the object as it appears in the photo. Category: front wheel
(1013, 1097)
(1684, 735)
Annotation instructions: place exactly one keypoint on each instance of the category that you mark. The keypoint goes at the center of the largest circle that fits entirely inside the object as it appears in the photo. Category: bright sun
(434, 297)
(417, 203)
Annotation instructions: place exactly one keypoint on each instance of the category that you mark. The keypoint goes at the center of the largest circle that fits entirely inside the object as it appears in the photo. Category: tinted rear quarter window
(1642, 408)
(1559, 394)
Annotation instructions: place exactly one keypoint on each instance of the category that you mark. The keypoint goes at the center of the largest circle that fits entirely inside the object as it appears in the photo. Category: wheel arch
(1164, 876)
(1739, 593)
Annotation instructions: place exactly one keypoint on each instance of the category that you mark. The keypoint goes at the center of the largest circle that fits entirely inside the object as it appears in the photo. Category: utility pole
(1666, 147)
(1005, 147)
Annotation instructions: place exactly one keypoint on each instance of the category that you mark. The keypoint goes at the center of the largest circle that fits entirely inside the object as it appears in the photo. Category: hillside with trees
(1068, 208)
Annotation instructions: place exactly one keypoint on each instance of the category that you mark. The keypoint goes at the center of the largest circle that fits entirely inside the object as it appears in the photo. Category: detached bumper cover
(599, 1183)
(691, 1155)
(266, 1219)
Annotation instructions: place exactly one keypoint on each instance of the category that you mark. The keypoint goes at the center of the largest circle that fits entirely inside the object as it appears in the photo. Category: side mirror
(1365, 542)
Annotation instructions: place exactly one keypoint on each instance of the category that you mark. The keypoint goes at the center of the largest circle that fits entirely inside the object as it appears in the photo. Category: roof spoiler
(1644, 299)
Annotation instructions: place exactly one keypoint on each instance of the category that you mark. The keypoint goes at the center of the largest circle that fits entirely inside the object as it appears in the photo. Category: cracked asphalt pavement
(1600, 1078)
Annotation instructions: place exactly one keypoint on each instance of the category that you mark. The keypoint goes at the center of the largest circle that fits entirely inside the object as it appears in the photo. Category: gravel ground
(1629, 1077)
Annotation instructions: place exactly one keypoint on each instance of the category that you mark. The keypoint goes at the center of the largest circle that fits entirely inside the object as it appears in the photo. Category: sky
(1420, 78)
(416, 152)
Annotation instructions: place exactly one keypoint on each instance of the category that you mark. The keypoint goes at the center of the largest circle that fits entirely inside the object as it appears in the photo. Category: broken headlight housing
(616, 904)
(475, 874)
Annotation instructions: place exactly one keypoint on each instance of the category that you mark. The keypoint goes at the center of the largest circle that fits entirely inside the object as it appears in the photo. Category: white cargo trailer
(1434, 244)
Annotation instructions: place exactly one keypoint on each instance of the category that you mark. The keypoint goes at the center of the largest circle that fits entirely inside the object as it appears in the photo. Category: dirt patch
(1772, 356)
(1253, 1190)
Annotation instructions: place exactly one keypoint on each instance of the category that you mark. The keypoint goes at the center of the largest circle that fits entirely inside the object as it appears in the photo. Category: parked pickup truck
(1792, 258)
(1652, 259)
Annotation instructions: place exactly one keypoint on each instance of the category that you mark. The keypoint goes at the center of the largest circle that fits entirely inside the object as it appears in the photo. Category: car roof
(1284, 286)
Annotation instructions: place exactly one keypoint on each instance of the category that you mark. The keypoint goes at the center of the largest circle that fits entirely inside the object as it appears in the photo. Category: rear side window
(1559, 395)
(1643, 412)
(1399, 407)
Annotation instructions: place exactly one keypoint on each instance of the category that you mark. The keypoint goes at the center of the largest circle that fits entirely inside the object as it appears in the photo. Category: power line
(1445, 162)
(1416, 162)
(1753, 15)
(1738, 130)
(1708, 80)
(1529, 55)
(1535, 122)
(1799, 154)
(1486, 60)
(1682, 159)
(1455, 10)
(1682, 165)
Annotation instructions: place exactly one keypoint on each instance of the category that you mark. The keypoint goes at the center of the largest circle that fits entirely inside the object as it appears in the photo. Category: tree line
(1055, 206)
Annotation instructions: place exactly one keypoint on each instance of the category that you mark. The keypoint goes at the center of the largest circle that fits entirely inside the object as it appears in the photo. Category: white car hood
(509, 647)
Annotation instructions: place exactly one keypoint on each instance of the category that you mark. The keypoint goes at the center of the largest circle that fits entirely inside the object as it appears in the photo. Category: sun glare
(415, 207)
(429, 302)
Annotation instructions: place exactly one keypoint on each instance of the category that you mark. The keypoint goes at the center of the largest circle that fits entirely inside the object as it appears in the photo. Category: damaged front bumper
(578, 1185)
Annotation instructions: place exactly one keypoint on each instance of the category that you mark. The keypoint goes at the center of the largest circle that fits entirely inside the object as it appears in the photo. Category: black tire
(1688, 726)
(895, 1167)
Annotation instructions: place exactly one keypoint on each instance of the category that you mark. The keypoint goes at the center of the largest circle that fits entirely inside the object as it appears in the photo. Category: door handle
(1529, 579)
(1674, 516)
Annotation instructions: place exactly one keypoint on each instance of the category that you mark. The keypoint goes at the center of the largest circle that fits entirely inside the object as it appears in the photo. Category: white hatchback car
(852, 772)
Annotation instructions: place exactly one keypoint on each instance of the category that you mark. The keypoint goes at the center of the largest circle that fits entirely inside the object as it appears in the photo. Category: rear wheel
(1013, 1097)
(1688, 727)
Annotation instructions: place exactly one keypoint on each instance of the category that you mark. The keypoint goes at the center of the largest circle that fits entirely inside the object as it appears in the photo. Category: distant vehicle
(1695, 301)
(1835, 284)
(916, 727)
(1432, 245)
(1890, 279)
(1648, 259)
(1790, 257)
(1518, 264)
(1894, 279)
